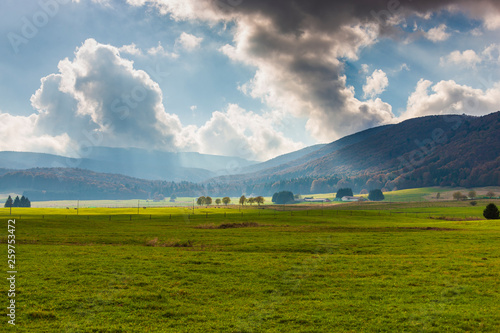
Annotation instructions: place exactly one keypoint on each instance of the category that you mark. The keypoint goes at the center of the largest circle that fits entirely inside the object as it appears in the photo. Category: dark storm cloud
(295, 15)
(301, 41)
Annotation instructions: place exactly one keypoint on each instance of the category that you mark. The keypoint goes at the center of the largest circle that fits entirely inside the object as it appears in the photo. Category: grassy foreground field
(348, 268)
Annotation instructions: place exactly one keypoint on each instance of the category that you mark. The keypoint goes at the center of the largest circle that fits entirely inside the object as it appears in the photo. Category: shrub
(283, 197)
(473, 203)
(491, 212)
(344, 192)
(376, 195)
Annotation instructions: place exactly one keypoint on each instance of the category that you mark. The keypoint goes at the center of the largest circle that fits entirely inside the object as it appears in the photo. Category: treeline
(44, 184)
(23, 202)
(78, 184)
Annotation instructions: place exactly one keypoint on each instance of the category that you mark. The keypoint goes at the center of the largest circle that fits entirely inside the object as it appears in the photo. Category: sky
(247, 78)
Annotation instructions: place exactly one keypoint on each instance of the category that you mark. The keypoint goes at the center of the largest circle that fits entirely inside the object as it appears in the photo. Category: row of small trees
(23, 202)
(207, 201)
(258, 200)
(471, 195)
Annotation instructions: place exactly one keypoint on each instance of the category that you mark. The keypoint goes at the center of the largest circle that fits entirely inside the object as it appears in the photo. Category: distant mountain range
(429, 151)
(132, 162)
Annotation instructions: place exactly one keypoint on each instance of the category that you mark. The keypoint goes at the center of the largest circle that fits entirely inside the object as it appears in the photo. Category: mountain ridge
(391, 156)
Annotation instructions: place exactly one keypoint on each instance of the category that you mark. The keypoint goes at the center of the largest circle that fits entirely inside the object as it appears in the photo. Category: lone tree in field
(459, 196)
(472, 195)
(217, 201)
(226, 200)
(243, 200)
(491, 212)
(251, 201)
(201, 201)
(283, 197)
(259, 200)
(208, 201)
(9, 202)
(490, 194)
(438, 196)
(344, 192)
(376, 195)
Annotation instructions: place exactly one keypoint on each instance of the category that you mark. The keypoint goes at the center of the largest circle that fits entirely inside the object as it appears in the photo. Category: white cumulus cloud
(468, 58)
(238, 132)
(131, 49)
(100, 95)
(188, 42)
(376, 84)
(19, 133)
(449, 97)
(438, 34)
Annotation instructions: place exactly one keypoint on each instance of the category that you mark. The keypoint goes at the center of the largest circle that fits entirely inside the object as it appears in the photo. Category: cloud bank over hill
(99, 99)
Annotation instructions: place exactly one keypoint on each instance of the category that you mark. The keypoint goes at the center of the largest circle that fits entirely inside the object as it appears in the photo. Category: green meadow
(371, 267)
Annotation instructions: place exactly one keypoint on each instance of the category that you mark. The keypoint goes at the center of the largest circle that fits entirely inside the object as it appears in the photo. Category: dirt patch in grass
(41, 314)
(428, 228)
(171, 243)
(230, 225)
(452, 218)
